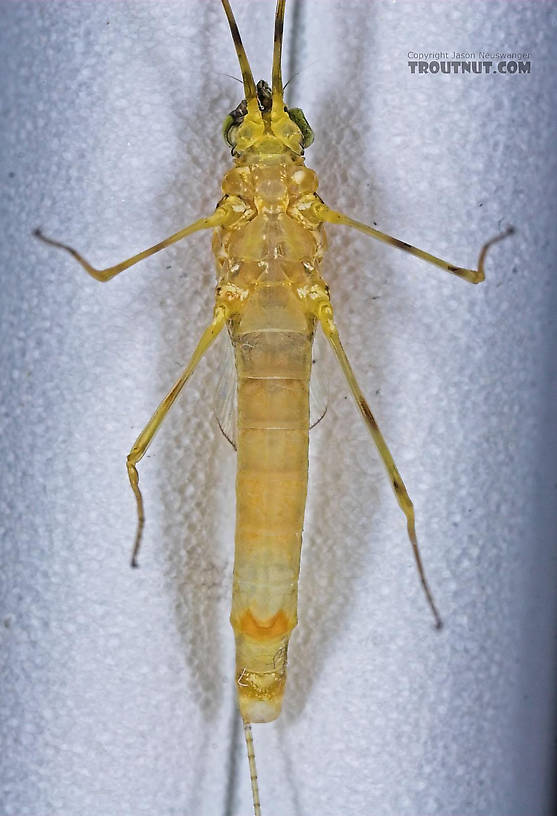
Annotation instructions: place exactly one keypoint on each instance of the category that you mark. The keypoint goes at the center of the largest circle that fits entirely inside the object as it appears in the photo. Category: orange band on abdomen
(273, 627)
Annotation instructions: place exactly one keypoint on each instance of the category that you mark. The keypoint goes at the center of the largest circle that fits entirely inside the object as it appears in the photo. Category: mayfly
(268, 242)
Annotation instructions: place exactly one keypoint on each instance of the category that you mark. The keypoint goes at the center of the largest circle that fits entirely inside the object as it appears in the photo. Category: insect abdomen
(273, 367)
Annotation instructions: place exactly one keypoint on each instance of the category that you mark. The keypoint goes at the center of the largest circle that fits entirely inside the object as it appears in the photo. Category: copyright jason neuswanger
(469, 62)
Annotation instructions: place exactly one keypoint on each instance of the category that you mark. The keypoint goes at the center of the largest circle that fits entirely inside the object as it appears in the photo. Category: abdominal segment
(273, 369)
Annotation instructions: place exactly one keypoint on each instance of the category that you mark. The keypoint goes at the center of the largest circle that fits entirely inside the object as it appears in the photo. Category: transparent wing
(226, 409)
(319, 382)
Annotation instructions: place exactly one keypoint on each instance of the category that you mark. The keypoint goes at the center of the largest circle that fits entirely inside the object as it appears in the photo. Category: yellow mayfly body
(269, 241)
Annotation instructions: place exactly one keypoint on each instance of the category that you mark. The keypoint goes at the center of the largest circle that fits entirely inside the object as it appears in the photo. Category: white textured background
(117, 685)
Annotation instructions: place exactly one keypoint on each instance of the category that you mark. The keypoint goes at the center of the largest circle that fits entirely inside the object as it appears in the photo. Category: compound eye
(297, 116)
(232, 121)
(228, 128)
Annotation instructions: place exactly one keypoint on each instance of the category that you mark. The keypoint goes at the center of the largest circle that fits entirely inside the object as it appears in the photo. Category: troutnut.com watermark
(469, 62)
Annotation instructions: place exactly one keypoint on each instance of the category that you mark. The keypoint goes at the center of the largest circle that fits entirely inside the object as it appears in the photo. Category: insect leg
(324, 312)
(325, 213)
(144, 439)
(219, 217)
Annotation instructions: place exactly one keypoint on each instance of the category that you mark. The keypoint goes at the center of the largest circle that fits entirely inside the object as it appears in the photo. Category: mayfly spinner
(268, 241)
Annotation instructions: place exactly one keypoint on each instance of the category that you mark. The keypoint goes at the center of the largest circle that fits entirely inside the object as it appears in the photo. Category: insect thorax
(277, 241)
